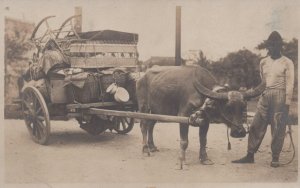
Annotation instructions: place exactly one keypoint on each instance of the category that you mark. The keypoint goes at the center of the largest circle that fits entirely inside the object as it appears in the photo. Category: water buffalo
(183, 90)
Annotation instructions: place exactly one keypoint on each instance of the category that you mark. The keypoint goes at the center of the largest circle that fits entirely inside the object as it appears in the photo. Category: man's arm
(289, 78)
(261, 69)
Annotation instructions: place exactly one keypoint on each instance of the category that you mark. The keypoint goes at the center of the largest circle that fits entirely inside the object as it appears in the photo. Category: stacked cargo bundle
(101, 49)
(101, 56)
(76, 85)
(84, 71)
(37, 74)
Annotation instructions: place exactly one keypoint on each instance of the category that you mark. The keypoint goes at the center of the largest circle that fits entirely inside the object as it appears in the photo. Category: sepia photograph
(149, 94)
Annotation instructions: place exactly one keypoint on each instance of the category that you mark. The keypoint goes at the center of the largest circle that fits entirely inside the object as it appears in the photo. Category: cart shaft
(138, 115)
(98, 104)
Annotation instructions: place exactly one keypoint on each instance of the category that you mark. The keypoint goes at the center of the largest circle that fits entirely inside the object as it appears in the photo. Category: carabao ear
(209, 104)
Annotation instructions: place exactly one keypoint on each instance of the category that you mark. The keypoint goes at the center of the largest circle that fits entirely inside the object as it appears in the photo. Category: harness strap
(228, 120)
(232, 123)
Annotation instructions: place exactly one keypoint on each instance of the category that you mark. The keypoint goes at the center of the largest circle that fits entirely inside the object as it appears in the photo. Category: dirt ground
(73, 156)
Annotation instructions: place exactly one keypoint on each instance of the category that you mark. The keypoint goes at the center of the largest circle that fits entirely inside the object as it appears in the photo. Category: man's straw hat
(274, 38)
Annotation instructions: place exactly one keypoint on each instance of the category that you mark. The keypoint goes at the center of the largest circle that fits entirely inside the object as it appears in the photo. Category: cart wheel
(94, 126)
(123, 125)
(36, 115)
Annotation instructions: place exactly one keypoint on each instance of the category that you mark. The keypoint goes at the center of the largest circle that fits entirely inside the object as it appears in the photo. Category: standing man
(273, 105)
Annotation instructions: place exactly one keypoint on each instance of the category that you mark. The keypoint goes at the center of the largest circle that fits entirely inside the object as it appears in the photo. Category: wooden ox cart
(72, 75)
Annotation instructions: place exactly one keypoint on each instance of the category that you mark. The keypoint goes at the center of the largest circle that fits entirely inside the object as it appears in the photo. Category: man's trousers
(270, 110)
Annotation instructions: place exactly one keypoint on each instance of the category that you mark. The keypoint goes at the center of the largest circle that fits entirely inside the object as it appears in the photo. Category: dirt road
(73, 156)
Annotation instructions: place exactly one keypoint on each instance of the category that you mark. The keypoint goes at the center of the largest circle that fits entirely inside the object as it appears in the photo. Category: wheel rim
(68, 23)
(36, 115)
(123, 124)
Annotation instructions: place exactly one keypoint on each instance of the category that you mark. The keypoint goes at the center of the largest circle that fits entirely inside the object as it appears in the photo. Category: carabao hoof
(207, 162)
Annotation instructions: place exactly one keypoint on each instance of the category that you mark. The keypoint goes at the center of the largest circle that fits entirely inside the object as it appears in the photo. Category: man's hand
(286, 109)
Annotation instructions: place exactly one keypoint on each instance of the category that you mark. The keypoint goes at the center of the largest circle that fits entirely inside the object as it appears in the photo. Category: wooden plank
(98, 104)
(82, 62)
(105, 48)
(59, 118)
(138, 115)
(74, 115)
(16, 100)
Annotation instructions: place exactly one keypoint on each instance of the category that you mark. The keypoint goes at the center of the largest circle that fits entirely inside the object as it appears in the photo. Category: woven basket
(107, 79)
(131, 87)
(88, 94)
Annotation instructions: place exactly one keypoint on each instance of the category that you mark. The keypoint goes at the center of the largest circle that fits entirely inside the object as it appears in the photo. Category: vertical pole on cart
(78, 19)
(178, 37)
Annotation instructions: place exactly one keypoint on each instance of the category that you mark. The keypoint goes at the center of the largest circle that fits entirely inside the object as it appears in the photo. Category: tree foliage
(16, 47)
(238, 69)
(202, 60)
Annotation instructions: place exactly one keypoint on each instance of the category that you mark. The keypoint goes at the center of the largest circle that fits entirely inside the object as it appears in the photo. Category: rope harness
(232, 124)
(277, 118)
(289, 132)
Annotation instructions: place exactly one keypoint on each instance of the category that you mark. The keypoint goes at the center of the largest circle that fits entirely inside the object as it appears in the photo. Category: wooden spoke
(123, 123)
(28, 121)
(34, 103)
(41, 127)
(26, 113)
(31, 96)
(118, 123)
(27, 105)
(38, 130)
(25, 96)
(34, 129)
(126, 120)
(40, 118)
(38, 111)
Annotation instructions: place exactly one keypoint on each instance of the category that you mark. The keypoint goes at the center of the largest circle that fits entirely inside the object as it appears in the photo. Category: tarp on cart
(110, 36)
